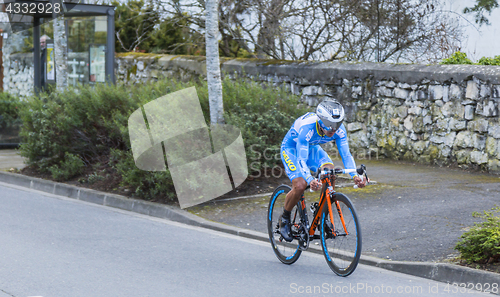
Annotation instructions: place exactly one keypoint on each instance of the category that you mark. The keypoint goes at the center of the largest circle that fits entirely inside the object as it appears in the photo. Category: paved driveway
(10, 159)
(415, 212)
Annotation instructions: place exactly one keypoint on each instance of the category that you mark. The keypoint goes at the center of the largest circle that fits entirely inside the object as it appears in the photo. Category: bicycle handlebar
(346, 171)
(360, 171)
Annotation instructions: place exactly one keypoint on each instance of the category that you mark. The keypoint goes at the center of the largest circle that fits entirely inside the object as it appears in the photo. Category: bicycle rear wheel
(287, 252)
(341, 249)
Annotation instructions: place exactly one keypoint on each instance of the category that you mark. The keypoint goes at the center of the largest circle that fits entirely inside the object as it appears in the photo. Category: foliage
(67, 168)
(9, 111)
(173, 36)
(457, 58)
(260, 132)
(461, 58)
(85, 122)
(148, 185)
(68, 131)
(231, 48)
(88, 123)
(139, 26)
(480, 8)
(264, 115)
(46, 28)
(482, 243)
(92, 178)
(28, 42)
(168, 38)
(134, 22)
(82, 33)
(489, 61)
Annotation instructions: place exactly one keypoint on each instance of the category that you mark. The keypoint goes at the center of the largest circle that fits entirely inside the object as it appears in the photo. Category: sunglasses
(326, 128)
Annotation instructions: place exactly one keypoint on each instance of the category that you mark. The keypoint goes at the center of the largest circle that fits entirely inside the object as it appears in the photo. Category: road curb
(442, 272)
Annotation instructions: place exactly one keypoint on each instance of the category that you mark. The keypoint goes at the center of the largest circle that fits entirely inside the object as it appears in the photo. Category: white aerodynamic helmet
(331, 114)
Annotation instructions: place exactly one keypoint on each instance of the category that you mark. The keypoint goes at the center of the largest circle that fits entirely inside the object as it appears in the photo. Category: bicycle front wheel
(341, 241)
(287, 252)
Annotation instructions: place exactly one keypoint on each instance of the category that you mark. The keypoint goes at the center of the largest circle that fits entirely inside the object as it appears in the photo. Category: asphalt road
(52, 246)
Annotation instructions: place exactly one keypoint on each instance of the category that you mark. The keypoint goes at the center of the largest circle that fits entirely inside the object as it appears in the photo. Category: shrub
(70, 130)
(156, 186)
(264, 114)
(85, 122)
(262, 134)
(457, 58)
(482, 243)
(489, 61)
(9, 111)
(69, 167)
(461, 58)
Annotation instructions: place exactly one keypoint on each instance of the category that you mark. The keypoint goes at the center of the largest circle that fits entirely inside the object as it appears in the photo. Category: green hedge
(67, 133)
(461, 58)
(9, 111)
(482, 243)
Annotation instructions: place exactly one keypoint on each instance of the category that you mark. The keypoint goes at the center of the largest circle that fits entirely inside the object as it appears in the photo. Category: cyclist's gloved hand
(359, 181)
(315, 185)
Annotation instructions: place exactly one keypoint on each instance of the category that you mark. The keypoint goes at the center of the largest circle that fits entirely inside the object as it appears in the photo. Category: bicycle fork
(329, 196)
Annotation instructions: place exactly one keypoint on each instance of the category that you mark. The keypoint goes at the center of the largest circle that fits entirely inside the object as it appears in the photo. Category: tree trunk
(60, 53)
(213, 64)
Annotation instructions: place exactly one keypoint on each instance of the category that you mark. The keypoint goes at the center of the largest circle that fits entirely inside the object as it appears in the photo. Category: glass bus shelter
(90, 38)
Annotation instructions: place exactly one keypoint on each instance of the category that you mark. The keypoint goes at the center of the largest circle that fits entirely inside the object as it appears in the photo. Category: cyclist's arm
(343, 147)
(303, 152)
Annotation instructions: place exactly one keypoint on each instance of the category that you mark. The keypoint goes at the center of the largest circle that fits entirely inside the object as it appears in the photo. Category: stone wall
(442, 114)
(140, 68)
(18, 74)
(18, 68)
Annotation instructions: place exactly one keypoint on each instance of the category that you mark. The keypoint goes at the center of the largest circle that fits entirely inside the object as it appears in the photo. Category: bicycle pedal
(303, 245)
(303, 242)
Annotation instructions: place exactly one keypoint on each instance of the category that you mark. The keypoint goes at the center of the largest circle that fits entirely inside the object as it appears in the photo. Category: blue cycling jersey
(305, 132)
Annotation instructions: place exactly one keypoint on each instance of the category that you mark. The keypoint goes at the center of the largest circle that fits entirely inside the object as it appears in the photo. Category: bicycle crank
(303, 239)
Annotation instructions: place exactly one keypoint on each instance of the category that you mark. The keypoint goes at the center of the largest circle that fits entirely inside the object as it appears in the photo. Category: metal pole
(110, 47)
(37, 61)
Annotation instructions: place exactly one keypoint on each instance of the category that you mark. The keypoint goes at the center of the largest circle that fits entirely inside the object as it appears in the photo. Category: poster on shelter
(51, 69)
(97, 65)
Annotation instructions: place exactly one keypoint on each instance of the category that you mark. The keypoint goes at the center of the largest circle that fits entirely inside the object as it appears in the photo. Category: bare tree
(60, 51)
(355, 30)
(213, 64)
(407, 31)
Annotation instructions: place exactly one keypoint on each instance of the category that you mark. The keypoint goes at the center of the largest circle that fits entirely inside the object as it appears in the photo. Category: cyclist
(301, 153)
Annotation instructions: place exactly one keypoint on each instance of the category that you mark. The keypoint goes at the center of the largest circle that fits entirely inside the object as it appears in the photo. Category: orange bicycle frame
(327, 183)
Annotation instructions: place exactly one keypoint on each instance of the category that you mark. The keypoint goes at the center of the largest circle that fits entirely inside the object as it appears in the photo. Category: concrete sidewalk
(9, 159)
